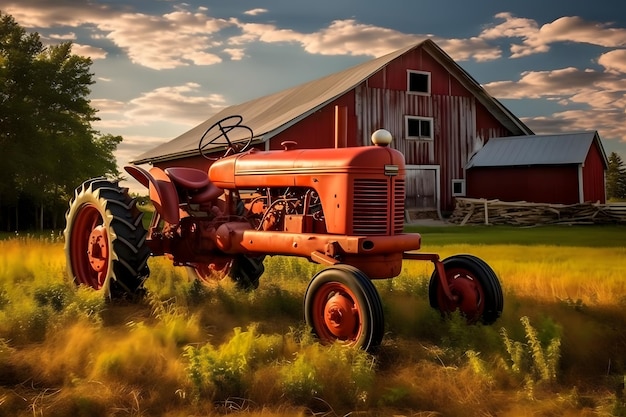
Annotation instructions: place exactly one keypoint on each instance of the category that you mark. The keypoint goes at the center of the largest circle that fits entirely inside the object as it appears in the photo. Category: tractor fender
(162, 191)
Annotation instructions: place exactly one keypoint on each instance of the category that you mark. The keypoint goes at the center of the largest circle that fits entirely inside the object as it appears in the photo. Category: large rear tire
(342, 305)
(105, 240)
(475, 285)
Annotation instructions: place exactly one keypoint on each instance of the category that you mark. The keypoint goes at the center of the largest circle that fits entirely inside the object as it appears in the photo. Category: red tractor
(342, 208)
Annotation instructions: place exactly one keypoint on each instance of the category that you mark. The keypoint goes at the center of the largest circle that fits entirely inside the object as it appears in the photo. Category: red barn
(565, 168)
(437, 113)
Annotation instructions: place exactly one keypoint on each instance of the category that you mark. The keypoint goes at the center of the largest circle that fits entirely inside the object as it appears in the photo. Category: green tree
(48, 144)
(616, 177)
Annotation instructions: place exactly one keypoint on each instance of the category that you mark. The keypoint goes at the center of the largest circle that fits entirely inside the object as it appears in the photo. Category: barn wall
(594, 176)
(461, 124)
(525, 184)
(318, 129)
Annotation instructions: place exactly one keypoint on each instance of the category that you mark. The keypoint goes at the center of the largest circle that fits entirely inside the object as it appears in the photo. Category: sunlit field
(193, 350)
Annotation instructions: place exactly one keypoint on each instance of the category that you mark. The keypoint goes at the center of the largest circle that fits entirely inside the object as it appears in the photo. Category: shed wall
(536, 184)
(593, 176)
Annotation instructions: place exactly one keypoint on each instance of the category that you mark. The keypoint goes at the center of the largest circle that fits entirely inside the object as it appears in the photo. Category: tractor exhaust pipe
(341, 127)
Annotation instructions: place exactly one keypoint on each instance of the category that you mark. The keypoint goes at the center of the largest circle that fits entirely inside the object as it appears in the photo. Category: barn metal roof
(269, 115)
(555, 149)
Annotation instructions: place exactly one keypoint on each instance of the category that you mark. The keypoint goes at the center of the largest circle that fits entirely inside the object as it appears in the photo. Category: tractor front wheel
(473, 284)
(105, 240)
(342, 305)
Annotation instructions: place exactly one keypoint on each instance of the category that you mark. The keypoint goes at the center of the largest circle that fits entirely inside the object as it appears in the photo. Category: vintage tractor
(342, 208)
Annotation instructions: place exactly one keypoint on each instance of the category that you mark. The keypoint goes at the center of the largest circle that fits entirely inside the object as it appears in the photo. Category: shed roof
(269, 115)
(554, 149)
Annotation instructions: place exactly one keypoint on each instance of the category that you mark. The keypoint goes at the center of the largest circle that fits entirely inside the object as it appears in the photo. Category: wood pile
(521, 213)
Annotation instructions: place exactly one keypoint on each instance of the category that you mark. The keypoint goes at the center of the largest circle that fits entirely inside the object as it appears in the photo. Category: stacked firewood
(521, 213)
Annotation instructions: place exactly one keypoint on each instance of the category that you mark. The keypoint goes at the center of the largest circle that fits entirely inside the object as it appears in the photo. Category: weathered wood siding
(460, 123)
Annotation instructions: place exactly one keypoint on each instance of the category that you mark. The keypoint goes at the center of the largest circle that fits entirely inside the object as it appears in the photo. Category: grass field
(559, 348)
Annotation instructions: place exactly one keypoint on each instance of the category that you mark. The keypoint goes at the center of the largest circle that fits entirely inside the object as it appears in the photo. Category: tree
(616, 177)
(48, 144)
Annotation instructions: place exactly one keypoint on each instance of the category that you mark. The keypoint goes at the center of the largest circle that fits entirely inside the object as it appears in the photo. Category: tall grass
(189, 349)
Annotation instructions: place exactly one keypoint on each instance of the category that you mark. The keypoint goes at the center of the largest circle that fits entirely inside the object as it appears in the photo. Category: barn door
(422, 187)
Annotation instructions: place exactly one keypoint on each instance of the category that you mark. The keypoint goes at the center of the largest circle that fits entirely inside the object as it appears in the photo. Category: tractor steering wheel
(225, 126)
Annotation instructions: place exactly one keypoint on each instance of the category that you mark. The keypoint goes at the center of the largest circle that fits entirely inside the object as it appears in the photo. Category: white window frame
(462, 192)
(408, 82)
(419, 119)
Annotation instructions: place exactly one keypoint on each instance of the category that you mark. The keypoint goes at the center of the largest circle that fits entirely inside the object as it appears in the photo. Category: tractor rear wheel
(105, 240)
(474, 284)
(342, 305)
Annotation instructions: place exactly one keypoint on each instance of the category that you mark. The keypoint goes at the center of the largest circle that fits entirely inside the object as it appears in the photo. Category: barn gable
(562, 168)
(270, 115)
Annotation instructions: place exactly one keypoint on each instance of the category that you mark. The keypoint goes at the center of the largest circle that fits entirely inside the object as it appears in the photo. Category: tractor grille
(374, 203)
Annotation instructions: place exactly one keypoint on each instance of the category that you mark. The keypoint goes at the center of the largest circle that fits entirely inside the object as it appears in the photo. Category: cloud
(175, 39)
(63, 37)
(541, 84)
(605, 122)
(537, 39)
(255, 12)
(349, 37)
(236, 54)
(602, 96)
(89, 51)
(184, 105)
(614, 61)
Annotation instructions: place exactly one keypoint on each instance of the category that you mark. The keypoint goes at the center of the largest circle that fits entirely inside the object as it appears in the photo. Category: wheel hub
(97, 251)
(468, 297)
(340, 316)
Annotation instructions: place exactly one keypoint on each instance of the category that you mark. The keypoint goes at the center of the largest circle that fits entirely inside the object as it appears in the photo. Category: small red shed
(566, 168)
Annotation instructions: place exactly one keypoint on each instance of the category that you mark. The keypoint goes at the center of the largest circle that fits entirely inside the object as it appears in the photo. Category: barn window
(458, 188)
(418, 82)
(418, 127)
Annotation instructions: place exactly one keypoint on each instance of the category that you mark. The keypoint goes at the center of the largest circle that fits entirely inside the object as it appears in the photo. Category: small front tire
(474, 284)
(342, 305)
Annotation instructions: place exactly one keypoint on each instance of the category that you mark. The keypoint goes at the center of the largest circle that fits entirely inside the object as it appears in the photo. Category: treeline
(47, 143)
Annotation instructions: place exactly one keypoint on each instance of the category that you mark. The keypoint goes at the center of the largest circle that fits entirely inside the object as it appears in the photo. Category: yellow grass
(62, 352)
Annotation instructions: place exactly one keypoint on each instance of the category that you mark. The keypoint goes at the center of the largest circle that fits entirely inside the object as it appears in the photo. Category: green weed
(536, 361)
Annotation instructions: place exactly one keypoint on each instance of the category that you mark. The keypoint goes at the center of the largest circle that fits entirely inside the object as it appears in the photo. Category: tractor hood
(302, 167)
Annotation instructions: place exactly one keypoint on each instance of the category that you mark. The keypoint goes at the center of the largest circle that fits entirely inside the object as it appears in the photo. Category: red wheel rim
(336, 314)
(89, 247)
(468, 292)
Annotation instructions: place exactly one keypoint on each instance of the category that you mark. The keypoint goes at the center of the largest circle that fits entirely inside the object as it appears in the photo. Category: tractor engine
(349, 191)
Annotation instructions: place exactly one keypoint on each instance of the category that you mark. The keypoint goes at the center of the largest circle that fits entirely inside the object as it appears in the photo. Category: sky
(163, 66)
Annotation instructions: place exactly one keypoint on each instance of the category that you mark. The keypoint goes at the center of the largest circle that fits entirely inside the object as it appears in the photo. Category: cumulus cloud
(350, 37)
(92, 52)
(600, 98)
(63, 36)
(175, 39)
(538, 84)
(614, 61)
(184, 105)
(537, 39)
(588, 119)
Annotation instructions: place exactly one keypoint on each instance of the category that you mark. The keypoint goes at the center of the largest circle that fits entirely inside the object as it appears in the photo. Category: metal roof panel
(556, 149)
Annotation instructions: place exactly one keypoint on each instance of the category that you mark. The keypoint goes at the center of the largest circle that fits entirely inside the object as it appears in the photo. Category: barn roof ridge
(271, 114)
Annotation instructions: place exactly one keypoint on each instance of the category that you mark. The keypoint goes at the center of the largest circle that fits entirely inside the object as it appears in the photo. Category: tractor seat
(191, 178)
(197, 182)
